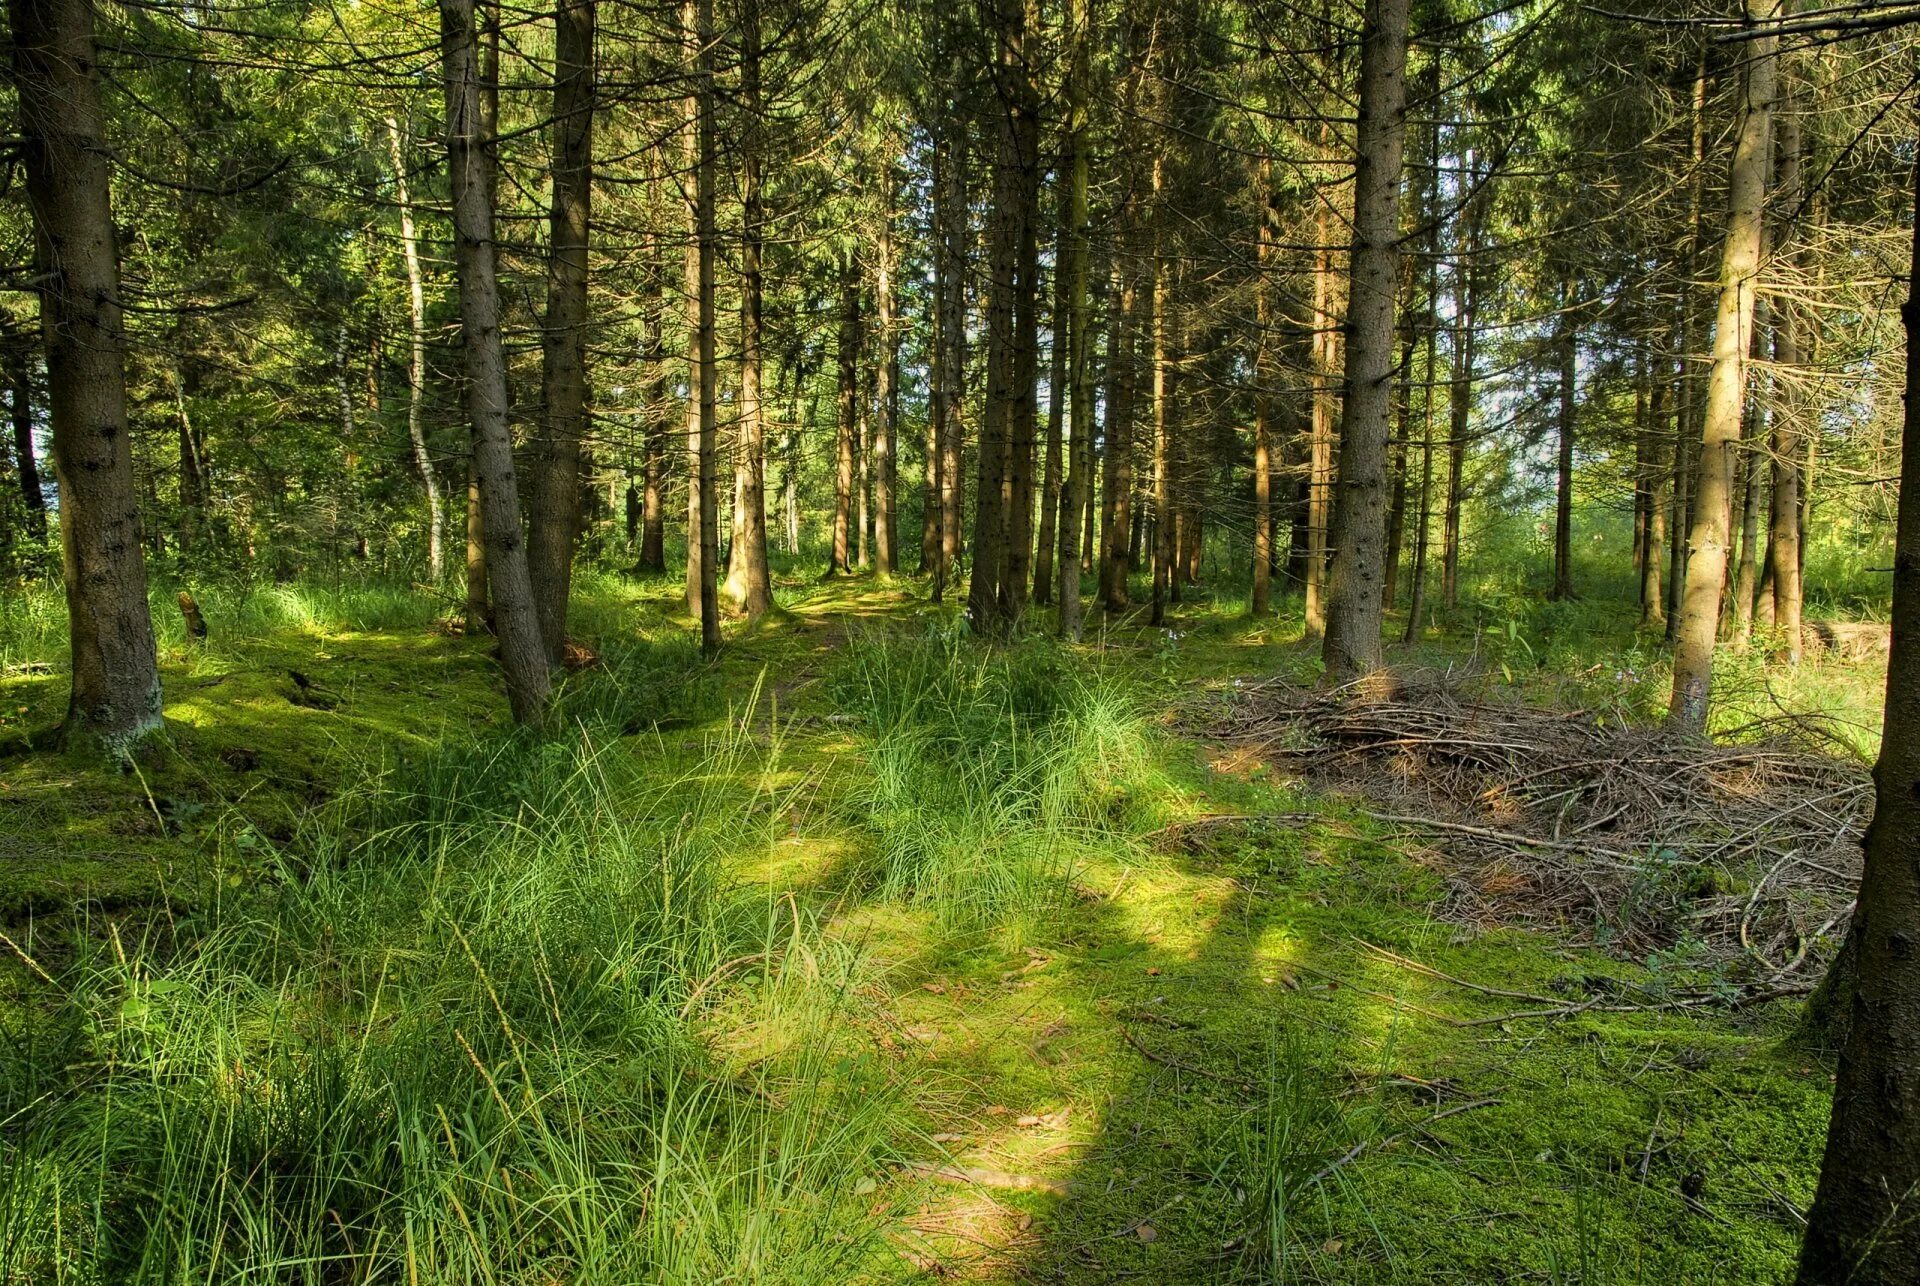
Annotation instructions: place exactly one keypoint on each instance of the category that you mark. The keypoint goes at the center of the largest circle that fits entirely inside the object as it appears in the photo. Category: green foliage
(447, 1039)
(991, 773)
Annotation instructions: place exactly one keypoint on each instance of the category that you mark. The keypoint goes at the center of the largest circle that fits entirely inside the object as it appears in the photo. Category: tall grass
(452, 1037)
(992, 773)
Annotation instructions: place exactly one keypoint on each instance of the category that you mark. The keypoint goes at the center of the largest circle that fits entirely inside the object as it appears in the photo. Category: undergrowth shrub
(454, 1037)
(992, 773)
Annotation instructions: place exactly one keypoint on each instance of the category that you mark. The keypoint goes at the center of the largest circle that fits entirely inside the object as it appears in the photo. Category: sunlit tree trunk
(1563, 472)
(417, 358)
(1784, 518)
(563, 339)
(1726, 391)
(1264, 379)
(115, 696)
(886, 400)
(469, 159)
(749, 581)
(847, 424)
(1352, 645)
(1121, 397)
(1079, 317)
(703, 501)
(1860, 1228)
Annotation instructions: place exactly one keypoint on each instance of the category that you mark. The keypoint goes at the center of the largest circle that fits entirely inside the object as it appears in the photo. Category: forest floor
(1236, 1028)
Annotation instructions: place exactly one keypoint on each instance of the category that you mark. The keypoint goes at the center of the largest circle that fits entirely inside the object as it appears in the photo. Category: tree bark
(563, 339)
(1861, 1229)
(115, 696)
(1652, 598)
(1788, 353)
(417, 359)
(19, 363)
(1044, 568)
(1320, 448)
(1079, 317)
(703, 501)
(952, 250)
(653, 457)
(1118, 481)
(1726, 391)
(1352, 646)
(1265, 378)
(1563, 472)
(469, 159)
(1023, 99)
(887, 397)
(749, 580)
(848, 422)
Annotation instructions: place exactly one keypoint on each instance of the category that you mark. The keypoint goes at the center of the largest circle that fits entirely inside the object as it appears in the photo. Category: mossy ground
(1196, 1067)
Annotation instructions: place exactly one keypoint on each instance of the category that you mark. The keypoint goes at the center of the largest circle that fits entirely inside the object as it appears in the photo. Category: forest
(1072, 641)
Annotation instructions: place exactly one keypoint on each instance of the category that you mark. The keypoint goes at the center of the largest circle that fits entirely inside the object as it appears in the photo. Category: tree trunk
(848, 422)
(1079, 316)
(19, 361)
(1352, 646)
(1326, 345)
(1264, 380)
(703, 500)
(1726, 392)
(116, 677)
(1118, 482)
(1023, 97)
(887, 399)
(1788, 353)
(1563, 473)
(478, 614)
(1159, 295)
(563, 338)
(952, 251)
(1860, 1229)
(417, 360)
(469, 159)
(1044, 568)
(1687, 404)
(1652, 598)
(749, 580)
(1417, 599)
(653, 459)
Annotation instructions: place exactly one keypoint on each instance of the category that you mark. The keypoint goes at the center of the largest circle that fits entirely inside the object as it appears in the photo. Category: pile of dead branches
(1635, 838)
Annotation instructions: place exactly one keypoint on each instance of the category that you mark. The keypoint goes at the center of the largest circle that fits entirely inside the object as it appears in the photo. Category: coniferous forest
(814, 641)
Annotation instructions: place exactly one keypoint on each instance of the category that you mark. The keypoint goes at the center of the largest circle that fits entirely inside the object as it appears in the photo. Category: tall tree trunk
(848, 423)
(703, 500)
(563, 339)
(1044, 568)
(1860, 1229)
(469, 159)
(1788, 353)
(1024, 359)
(952, 250)
(417, 359)
(1320, 448)
(1687, 403)
(1726, 393)
(1747, 570)
(1652, 599)
(887, 398)
(1417, 599)
(1079, 317)
(1563, 473)
(1466, 294)
(1352, 646)
(653, 459)
(939, 377)
(1118, 482)
(987, 598)
(1264, 380)
(749, 580)
(1159, 295)
(116, 677)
